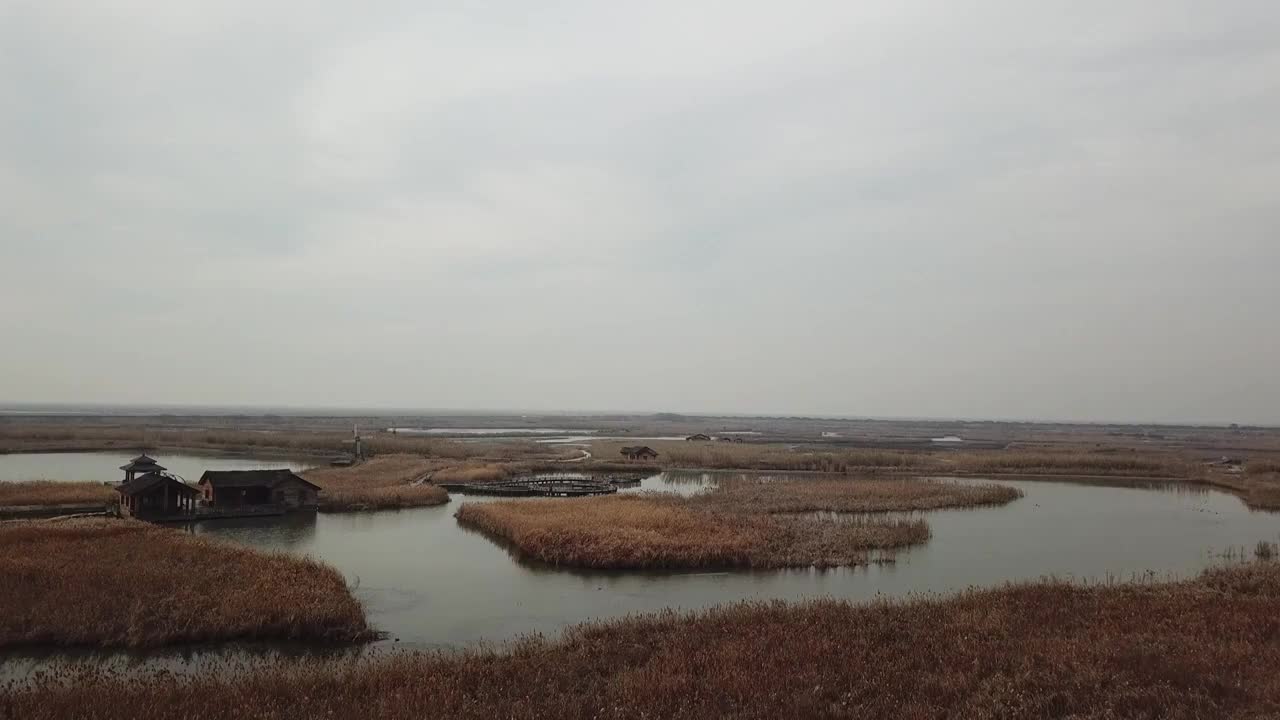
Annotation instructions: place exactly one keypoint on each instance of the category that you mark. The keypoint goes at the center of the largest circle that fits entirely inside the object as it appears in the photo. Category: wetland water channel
(430, 583)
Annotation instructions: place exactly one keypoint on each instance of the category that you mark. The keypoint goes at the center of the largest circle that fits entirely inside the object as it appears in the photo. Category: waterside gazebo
(141, 465)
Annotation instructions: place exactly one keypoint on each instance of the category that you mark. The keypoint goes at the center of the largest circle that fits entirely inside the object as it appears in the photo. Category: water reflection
(282, 532)
(432, 583)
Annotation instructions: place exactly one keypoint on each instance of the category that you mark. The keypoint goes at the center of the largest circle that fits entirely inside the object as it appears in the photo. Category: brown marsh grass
(123, 583)
(847, 495)
(1203, 648)
(746, 456)
(50, 492)
(1265, 466)
(473, 473)
(383, 498)
(804, 458)
(1073, 463)
(383, 482)
(657, 531)
(15, 437)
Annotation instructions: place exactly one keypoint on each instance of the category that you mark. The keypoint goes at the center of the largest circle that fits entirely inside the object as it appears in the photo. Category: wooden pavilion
(141, 465)
(157, 496)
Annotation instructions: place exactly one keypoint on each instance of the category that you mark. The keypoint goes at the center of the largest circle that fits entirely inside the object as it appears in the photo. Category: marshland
(124, 583)
(876, 523)
(1201, 647)
(741, 521)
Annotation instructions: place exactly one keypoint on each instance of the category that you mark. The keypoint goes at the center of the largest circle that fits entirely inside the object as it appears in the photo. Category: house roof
(146, 482)
(638, 450)
(251, 478)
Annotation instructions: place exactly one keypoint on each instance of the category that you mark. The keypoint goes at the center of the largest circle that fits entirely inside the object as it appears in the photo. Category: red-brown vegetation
(1199, 649)
(847, 495)
(662, 531)
(381, 483)
(124, 583)
(49, 492)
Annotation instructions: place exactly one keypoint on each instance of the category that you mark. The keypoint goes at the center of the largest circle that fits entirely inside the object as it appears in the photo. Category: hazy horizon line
(216, 409)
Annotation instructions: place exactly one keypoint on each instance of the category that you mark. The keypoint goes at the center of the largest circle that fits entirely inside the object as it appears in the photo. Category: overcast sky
(990, 208)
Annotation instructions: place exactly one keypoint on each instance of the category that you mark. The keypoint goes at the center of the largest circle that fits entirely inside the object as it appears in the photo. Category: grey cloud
(996, 209)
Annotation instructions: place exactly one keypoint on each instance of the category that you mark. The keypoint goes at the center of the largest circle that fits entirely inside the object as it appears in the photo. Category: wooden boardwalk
(567, 485)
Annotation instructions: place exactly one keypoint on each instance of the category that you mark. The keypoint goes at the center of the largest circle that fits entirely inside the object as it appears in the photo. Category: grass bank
(1204, 648)
(745, 494)
(17, 437)
(381, 483)
(662, 532)
(742, 522)
(123, 583)
(49, 492)
(811, 458)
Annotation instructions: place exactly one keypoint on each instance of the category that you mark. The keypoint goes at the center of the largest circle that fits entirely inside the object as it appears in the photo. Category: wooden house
(639, 452)
(249, 488)
(156, 495)
(699, 437)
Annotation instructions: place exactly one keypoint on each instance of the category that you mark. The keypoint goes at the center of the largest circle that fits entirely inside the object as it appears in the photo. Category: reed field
(805, 458)
(1075, 463)
(1262, 466)
(380, 483)
(50, 492)
(741, 522)
(123, 583)
(16, 437)
(1203, 648)
(474, 473)
(847, 495)
(750, 456)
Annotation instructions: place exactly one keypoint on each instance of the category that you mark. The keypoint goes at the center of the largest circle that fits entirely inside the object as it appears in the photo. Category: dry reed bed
(1075, 463)
(659, 531)
(123, 583)
(733, 456)
(737, 524)
(1199, 649)
(794, 495)
(1266, 466)
(804, 458)
(49, 492)
(16, 437)
(380, 483)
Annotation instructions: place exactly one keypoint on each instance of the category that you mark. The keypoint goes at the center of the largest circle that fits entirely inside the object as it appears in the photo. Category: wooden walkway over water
(567, 485)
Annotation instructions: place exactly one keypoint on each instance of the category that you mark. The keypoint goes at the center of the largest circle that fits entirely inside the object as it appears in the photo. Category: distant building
(248, 488)
(639, 452)
(698, 437)
(156, 495)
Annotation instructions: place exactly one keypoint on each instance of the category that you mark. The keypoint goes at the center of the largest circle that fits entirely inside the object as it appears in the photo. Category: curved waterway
(430, 583)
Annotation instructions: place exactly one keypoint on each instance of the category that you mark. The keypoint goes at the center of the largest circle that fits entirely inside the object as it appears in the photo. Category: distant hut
(248, 488)
(141, 465)
(639, 452)
(698, 437)
(156, 495)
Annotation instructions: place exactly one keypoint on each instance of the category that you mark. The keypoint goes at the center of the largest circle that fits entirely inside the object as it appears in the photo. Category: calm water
(105, 466)
(431, 583)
